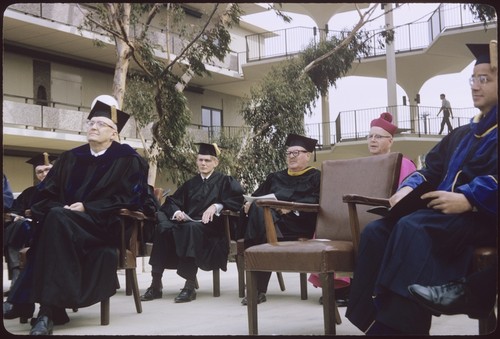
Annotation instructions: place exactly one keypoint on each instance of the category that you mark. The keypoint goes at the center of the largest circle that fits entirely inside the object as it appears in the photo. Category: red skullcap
(385, 122)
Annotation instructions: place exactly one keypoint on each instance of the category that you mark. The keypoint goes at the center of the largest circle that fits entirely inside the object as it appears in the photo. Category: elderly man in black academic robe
(72, 262)
(190, 233)
(298, 183)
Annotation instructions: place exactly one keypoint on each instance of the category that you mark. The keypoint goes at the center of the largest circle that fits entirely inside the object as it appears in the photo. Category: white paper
(250, 198)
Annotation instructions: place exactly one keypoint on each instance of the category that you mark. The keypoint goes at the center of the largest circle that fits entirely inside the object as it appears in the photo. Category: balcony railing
(409, 37)
(417, 121)
(71, 15)
(411, 120)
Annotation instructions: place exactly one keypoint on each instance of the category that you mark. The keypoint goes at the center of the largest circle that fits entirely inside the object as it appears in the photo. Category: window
(211, 121)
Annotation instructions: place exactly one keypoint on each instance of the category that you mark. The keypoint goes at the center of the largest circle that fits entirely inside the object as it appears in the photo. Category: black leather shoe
(151, 294)
(451, 298)
(43, 326)
(186, 295)
(59, 317)
(21, 311)
(261, 298)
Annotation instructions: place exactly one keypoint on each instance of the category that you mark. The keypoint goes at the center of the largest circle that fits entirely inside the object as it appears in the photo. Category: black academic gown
(17, 234)
(72, 262)
(302, 188)
(428, 247)
(206, 243)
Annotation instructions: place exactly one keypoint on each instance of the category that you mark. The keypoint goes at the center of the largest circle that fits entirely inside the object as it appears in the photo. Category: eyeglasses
(481, 79)
(377, 136)
(98, 124)
(294, 154)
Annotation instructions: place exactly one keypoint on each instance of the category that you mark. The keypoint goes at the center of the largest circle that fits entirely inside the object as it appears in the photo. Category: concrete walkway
(283, 313)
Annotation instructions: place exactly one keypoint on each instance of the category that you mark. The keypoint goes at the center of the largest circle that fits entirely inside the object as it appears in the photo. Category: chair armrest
(364, 200)
(230, 213)
(352, 200)
(288, 205)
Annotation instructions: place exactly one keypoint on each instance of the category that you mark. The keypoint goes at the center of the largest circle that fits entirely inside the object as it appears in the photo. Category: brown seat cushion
(313, 255)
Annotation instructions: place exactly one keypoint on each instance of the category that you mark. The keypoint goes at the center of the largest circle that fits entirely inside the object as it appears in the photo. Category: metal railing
(23, 112)
(415, 120)
(408, 37)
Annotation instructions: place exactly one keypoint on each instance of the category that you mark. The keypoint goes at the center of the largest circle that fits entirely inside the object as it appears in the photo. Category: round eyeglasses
(377, 136)
(98, 124)
(481, 79)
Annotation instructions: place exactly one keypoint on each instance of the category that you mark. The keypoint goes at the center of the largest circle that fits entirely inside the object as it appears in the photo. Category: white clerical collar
(205, 178)
(96, 154)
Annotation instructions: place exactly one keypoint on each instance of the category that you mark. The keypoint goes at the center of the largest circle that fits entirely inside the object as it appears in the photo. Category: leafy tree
(159, 85)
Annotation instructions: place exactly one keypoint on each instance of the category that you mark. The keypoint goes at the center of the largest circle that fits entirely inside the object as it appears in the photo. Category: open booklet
(250, 198)
(409, 204)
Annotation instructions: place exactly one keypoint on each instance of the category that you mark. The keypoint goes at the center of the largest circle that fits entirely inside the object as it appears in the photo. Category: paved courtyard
(283, 313)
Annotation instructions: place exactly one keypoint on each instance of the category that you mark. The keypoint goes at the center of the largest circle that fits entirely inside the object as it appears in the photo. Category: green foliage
(337, 65)
(483, 12)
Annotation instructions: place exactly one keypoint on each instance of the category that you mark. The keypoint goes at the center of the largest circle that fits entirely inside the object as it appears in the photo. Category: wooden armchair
(333, 249)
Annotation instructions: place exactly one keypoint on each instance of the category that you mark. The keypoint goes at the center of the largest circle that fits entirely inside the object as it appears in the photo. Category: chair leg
(329, 305)
(128, 283)
(281, 281)
(131, 277)
(241, 275)
(216, 282)
(105, 312)
(303, 286)
(252, 302)
(488, 325)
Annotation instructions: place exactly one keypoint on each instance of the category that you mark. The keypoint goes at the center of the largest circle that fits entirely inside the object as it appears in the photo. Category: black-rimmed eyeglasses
(294, 154)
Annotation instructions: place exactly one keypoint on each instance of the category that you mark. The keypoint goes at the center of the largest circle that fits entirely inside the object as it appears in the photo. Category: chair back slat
(373, 176)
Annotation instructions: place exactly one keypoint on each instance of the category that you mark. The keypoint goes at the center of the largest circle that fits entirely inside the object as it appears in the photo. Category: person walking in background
(446, 109)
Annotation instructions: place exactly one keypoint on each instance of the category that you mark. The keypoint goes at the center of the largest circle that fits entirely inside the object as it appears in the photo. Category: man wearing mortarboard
(18, 232)
(190, 232)
(435, 245)
(300, 183)
(73, 259)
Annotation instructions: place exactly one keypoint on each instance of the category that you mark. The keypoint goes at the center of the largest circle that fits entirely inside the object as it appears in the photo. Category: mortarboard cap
(41, 159)
(209, 149)
(107, 106)
(299, 140)
(385, 122)
(485, 53)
